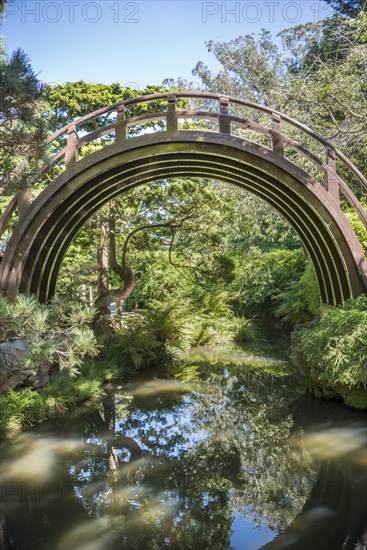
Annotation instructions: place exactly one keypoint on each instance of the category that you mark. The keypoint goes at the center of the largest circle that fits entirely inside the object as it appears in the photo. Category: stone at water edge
(13, 373)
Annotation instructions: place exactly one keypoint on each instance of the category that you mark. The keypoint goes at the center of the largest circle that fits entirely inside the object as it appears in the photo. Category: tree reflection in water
(190, 454)
(218, 454)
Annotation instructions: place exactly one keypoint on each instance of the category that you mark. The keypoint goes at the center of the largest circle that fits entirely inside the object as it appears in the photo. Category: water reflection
(218, 455)
(335, 514)
(33, 458)
(334, 442)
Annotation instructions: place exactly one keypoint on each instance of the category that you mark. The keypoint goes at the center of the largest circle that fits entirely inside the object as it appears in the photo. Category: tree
(319, 79)
(22, 128)
(173, 216)
(329, 92)
(69, 101)
(348, 7)
(252, 69)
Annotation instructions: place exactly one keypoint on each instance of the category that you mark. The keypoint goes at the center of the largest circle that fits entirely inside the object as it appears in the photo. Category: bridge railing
(119, 123)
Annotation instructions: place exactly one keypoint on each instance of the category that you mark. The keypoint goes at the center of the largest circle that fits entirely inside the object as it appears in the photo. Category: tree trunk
(114, 295)
(24, 199)
(7, 214)
(102, 269)
(126, 274)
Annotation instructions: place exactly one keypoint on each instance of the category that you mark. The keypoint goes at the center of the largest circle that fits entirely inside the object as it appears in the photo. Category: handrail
(206, 95)
(333, 182)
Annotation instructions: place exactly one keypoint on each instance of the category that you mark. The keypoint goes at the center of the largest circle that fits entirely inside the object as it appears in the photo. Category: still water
(224, 452)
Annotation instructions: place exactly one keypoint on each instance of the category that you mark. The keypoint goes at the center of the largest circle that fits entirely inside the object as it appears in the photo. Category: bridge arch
(41, 238)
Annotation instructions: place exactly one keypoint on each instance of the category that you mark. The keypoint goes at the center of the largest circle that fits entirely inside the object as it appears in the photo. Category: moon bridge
(167, 135)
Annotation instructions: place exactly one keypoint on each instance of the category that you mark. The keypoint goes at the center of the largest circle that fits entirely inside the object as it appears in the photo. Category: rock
(40, 379)
(14, 374)
(12, 352)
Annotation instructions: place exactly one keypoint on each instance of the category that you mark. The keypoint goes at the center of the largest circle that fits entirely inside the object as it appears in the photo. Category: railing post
(121, 128)
(71, 153)
(331, 180)
(277, 140)
(224, 123)
(171, 113)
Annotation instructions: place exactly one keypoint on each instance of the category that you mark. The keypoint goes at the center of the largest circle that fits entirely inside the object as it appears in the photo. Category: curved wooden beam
(71, 199)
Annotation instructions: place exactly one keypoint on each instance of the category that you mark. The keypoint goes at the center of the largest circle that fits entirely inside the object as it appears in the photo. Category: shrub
(336, 350)
(165, 328)
(135, 341)
(245, 330)
(356, 398)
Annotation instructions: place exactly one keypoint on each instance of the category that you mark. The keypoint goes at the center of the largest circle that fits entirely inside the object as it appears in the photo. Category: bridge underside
(39, 243)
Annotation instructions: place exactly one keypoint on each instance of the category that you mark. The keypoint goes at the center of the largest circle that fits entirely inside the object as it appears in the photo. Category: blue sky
(140, 42)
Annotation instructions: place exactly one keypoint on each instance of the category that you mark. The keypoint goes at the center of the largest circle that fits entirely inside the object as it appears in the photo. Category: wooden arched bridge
(235, 141)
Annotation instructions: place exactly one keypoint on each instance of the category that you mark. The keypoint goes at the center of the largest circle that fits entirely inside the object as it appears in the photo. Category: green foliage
(166, 327)
(28, 406)
(74, 99)
(22, 127)
(252, 68)
(153, 335)
(58, 333)
(314, 44)
(136, 341)
(156, 278)
(300, 301)
(348, 7)
(261, 275)
(319, 77)
(213, 321)
(336, 348)
(245, 330)
(328, 90)
(356, 398)
(358, 228)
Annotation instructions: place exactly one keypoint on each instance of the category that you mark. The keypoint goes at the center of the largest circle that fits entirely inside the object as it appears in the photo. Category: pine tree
(22, 129)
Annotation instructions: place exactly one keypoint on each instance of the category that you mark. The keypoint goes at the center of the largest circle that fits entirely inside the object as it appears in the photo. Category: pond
(224, 452)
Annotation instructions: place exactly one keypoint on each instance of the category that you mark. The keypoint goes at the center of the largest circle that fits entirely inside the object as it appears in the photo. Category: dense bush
(336, 351)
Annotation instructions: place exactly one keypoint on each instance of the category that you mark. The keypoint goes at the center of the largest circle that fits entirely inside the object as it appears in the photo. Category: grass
(28, 406)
